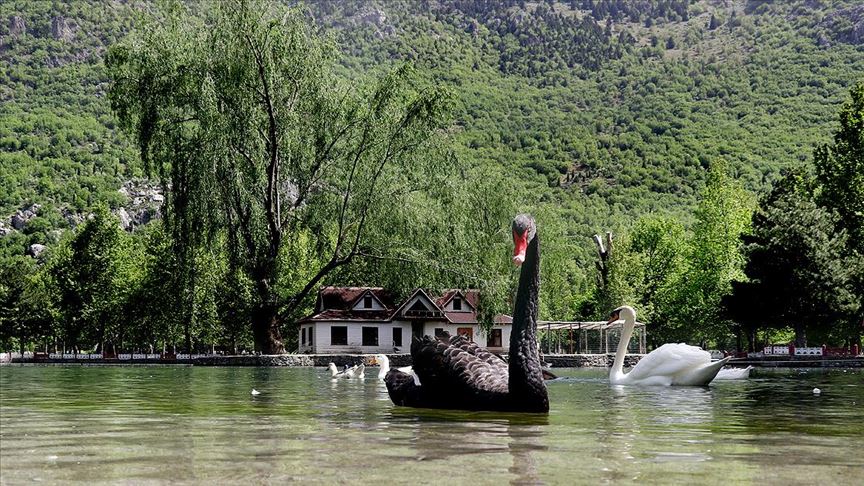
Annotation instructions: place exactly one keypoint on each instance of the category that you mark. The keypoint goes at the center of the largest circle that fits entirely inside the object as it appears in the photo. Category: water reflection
(184, 424)
(443, 435)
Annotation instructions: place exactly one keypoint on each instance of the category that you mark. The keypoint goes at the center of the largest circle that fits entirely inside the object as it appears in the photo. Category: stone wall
(589, 360)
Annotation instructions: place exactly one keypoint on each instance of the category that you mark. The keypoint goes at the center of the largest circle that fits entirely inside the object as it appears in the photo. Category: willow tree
(238, 112)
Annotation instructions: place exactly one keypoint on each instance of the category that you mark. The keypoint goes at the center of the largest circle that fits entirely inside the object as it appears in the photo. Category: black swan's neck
(526, 384)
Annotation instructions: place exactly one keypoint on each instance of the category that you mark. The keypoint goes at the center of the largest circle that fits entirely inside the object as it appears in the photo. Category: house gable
(457, 301)
(347, 304)
(368, 301)
(419, 305)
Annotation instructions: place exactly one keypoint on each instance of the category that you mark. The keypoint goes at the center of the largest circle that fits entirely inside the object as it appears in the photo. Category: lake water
(161, 424)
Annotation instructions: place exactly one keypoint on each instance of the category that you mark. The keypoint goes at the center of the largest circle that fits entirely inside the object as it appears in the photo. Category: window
(303, 336)
(465, 331)
(494, 340)
(339, 336)
(310, 336)
(439, 331)
(457, 303)
(370, 336)
(397, 336)
(367, 302)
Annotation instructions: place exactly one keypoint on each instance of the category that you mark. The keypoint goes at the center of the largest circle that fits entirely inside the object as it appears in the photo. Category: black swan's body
(458, 374)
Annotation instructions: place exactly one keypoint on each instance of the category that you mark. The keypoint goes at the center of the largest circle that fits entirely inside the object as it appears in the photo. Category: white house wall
(479, 337)
(320, 343)
(321, 338)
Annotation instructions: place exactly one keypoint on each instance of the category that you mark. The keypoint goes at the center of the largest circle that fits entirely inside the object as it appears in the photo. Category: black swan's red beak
(520, 244)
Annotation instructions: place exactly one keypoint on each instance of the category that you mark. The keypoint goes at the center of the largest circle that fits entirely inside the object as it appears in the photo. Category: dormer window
(367, 302)
(457, 303)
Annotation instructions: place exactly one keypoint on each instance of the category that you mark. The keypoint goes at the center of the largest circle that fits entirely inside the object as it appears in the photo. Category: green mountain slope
(608, 109)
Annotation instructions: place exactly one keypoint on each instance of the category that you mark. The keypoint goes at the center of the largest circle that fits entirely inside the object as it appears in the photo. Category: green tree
(840, 169)
(800, 274)
(239, 112)
(840, 173)
(712, 261)
(93, 274)
(26, 313)
(660, 244)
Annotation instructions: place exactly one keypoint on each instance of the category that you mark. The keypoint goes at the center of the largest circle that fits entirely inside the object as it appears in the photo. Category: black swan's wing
(402, 388)
(458, 369)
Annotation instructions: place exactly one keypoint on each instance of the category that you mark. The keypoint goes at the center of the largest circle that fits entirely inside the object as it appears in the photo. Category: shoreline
(322, 360)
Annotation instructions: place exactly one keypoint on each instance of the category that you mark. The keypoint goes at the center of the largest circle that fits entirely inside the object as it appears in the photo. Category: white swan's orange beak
(614, 316)
(373, 361)
(520, 244)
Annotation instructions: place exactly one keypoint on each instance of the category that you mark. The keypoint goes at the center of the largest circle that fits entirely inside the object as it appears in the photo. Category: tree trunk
(800, 336)
(187, 337)
(739, 342)
(751, 339)
(265, 330)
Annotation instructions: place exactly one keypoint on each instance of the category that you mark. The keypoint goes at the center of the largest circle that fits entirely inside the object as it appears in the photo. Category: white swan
(670, 364)
(358, 371)
(734, 373)
(384, 362)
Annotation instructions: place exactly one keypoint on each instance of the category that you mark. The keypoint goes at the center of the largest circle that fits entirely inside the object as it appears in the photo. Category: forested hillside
(594, 114)
(614, 108)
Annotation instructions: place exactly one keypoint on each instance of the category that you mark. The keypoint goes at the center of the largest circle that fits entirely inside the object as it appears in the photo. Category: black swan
(458, 374)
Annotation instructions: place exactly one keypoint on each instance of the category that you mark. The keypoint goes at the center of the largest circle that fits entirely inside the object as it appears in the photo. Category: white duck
(384, 362)
(358, 371)
(670, 364)
(734, 373)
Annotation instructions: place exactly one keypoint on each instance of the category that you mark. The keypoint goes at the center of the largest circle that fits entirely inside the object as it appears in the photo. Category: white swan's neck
(617, 371)
(384, 363)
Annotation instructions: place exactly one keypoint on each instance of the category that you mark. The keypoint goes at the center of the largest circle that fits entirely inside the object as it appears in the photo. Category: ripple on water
(186, 424)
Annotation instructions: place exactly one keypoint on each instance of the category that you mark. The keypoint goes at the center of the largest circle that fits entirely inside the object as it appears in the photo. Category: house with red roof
(368, 320)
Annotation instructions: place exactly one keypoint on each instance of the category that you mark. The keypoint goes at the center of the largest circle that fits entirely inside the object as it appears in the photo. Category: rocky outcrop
(846, 25)
(375, 16)
(35, 250)
(61, 29)
(17, 27)
(125, 220)
(19, 220)
(145, 203)
(72, 219)
(378, 19)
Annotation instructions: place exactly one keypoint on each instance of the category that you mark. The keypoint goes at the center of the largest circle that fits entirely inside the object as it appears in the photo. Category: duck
(457, 374)
(358, 371)
(384, 363)
(670, 364)
(733, 373)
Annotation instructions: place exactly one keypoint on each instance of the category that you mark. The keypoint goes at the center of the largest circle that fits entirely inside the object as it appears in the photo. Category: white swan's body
(384, 363)
(734, 373)
(358, 371)
(670, 364)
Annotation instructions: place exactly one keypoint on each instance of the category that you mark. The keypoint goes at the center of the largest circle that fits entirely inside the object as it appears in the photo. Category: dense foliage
(656, 120)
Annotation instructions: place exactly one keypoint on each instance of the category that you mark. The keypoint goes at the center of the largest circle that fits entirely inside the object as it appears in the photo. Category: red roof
(342, 298)
(349, 315)
(335, 304)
